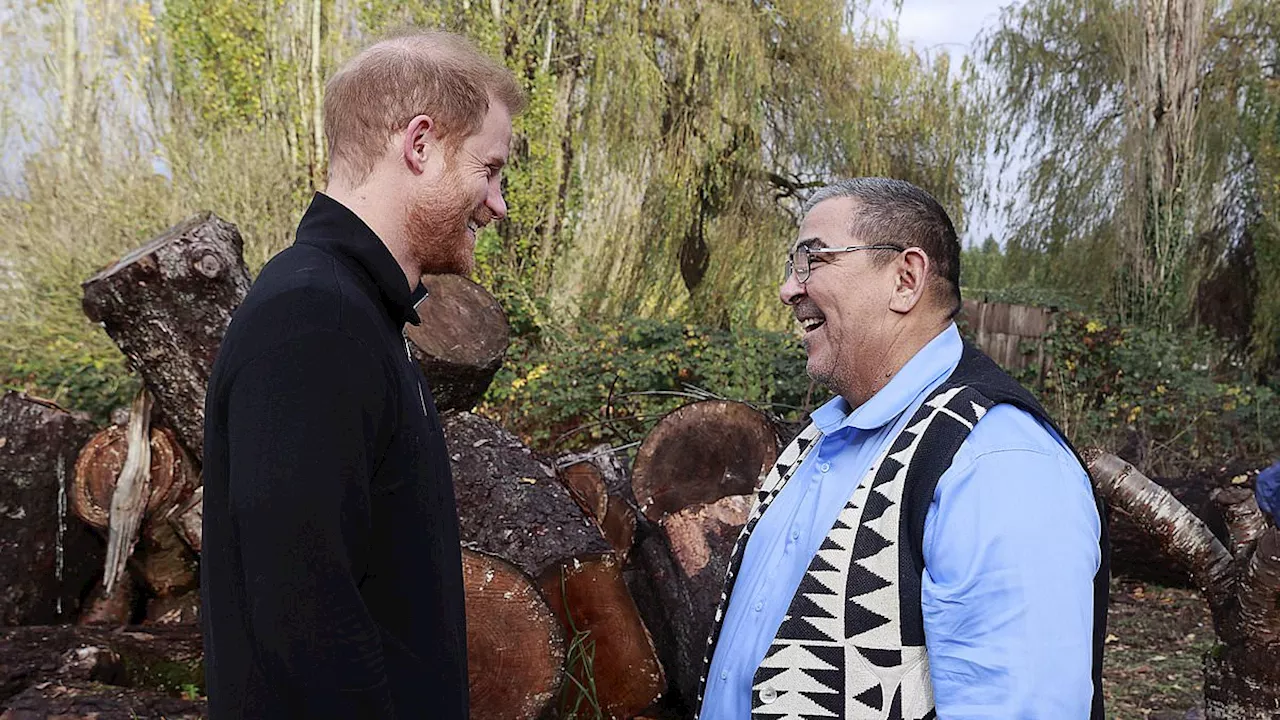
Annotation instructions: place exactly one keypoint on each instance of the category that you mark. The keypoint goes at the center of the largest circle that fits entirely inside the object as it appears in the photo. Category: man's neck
(383, 218)
(902, 347)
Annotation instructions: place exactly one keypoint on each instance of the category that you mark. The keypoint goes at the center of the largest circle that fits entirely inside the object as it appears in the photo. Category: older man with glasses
(930, 546)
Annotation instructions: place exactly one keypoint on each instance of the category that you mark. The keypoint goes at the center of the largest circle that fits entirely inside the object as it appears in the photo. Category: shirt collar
(932, 363)
(331, 226)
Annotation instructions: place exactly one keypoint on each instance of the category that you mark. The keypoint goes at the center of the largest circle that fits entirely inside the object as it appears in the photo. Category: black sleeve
(302, 424)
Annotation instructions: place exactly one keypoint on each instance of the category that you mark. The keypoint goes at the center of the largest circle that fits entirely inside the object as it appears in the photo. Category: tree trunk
(515, 649)
(694, 476)
(114, 610)
(48, 561)
(97, 701)
(509, 502)
(611, 656)
(167, 305)
(700, 453)
(1136, 553)
(1242, 673)
(461, 342)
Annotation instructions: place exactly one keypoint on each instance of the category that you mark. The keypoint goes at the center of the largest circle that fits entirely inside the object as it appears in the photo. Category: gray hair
(895, 212)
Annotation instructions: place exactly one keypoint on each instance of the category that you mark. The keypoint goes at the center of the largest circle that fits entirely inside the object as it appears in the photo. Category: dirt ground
(1156, 637)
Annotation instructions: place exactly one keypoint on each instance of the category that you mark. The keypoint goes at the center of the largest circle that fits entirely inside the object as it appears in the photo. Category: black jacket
(331, 572)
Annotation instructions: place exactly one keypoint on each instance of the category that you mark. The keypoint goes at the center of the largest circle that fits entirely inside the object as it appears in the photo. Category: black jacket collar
(330, 226)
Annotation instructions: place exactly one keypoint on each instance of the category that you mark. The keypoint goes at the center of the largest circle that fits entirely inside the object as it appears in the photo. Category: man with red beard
(331, 571)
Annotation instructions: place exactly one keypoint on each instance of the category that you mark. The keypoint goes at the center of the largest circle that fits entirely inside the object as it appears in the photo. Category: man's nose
(496, 204)
(791, 291)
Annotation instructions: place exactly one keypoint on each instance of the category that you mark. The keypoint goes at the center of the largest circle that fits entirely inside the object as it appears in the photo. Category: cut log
(188, 519)
(174, 609)
(461, 342)
(48, 559)
(509, 501)
(98, 701)
(609, 649)
(163, 659)
(163, 562)
(586, 483)
(694, 476)
(700, 453)
(114, 610)
(515, 648)
(172, 474)
(166, 305)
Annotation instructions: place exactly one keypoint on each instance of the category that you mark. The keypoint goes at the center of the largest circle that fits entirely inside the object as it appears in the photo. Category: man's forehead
(827, 223)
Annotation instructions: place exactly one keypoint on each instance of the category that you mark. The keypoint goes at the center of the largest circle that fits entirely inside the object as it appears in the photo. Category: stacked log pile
(589, 591)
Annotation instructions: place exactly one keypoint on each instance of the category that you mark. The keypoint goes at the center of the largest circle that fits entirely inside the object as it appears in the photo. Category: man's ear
(418, 141)
(910, 281)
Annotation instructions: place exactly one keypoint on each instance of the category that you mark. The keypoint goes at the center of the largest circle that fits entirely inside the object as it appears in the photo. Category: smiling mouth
(811, 324)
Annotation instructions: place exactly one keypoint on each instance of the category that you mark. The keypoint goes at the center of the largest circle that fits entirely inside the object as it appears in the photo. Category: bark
(135, 659)
(515, 648)
(97, 701)
(132, 490)
(509, 502)
(167, 305)
(164, 563)
(188, 519)
(114, 610)
(1245, 521)
(701, 538)
(461, 342)
(700, 453)
(174, 609)
(1182, 535)
(48, 561)
(1137, 554)
(586, 483)
(616, 658)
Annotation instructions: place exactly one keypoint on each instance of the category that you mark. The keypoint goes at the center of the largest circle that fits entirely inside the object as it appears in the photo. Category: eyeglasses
(798, 258)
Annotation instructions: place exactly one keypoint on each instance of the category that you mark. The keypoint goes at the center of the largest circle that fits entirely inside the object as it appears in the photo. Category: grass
(1156, 638)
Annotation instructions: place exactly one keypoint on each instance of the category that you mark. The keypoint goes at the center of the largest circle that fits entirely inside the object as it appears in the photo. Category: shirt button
(825, 467)
(795, 534)
(759, 605)
(724, 674)
(768, 695)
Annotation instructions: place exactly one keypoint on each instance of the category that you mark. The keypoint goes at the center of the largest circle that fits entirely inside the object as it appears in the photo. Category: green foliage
(610, 383)
(1167, 402)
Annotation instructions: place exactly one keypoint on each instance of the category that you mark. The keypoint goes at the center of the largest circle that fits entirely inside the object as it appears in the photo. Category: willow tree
(658, 169)
(1130, 116)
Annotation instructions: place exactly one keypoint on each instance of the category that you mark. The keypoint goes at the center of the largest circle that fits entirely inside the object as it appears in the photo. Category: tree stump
(48, 559)
(609, 648)
(167, 305)
(461, 342)
(188, 519)
(693, 477)
(515, 648)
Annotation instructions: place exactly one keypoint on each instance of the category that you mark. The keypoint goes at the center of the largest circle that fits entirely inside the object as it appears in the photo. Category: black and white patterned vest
(851, 644)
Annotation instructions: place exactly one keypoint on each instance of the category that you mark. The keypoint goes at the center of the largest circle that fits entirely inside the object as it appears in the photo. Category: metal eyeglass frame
(803, 269)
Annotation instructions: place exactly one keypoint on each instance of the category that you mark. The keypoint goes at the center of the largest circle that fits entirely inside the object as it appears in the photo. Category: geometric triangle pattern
(839, 652)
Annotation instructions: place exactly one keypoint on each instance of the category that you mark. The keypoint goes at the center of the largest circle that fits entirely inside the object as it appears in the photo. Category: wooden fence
(1013, 335)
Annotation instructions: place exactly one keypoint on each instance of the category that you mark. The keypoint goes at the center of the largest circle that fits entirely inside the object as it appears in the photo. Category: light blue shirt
(1010, 549)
